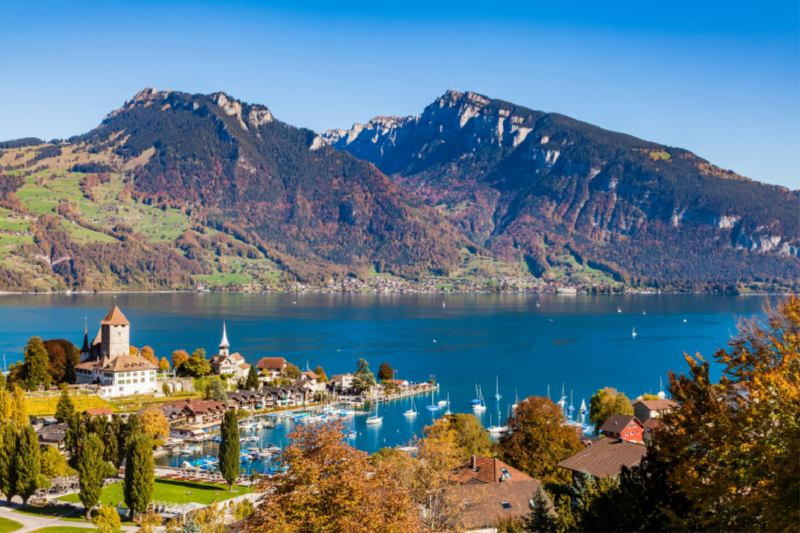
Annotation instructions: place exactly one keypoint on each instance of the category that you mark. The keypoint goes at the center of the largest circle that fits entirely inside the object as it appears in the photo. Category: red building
(624, 427)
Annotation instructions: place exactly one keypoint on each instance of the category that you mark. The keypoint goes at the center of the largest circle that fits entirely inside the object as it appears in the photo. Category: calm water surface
(579, 342)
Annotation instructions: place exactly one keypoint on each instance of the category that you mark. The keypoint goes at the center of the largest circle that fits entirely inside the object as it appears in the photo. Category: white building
(107, 362)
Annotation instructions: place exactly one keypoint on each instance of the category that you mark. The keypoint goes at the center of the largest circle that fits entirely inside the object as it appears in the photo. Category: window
(505, 475)
(505, 505)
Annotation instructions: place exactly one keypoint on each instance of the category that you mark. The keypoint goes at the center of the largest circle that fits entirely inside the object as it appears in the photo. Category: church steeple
(85, 350)
(223, 345)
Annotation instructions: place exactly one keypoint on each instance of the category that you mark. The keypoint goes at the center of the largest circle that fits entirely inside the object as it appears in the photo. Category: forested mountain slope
(213, 164)
(531, 186)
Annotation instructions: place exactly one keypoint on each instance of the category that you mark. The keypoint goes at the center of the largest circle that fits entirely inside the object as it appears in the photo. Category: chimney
(474, 462)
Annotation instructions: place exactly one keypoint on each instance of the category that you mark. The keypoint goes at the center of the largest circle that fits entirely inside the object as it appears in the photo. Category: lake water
(581, 342)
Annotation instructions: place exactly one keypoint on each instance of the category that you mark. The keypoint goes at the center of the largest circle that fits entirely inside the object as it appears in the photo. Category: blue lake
(579, 342)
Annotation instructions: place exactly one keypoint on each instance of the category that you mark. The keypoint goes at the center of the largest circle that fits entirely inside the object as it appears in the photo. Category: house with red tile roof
(623, 427)
(644, 409)
(272, 367)
(606, 458)
(230, 364)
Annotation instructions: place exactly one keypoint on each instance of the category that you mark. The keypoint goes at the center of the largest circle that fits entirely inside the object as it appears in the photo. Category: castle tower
(115, 334)
(224, 347)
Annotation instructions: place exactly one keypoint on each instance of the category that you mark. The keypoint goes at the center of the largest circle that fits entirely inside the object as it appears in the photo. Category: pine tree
(190, 526)
(27, 464)
(229, 448)
(252, 379)
(539, 519)
(66, 407)
(91, 469)
(111, 442)
(36, 361)
(8, 458)
(73, 440)
(139, 469)
(69, 372)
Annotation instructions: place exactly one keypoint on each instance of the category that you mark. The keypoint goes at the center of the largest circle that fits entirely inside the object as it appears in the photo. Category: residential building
(52, 435)
(606, 458)
(489, 502)
(271, 367)
(104, 412)
(644, 409)
(231, 364)
(651, 428)
(309, 379)
(246, 399)
(479, 469)
(342, 383)
(194, 411)
(107, 361)
(399, 383)
(623, 427)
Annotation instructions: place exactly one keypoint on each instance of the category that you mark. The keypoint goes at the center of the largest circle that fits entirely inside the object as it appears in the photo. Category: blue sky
(721, 79)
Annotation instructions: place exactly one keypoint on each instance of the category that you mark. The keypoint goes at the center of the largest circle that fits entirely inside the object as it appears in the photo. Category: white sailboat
(516, 401)
(497, 389)
(375, 419)
(413, 411)
(448, 405)
(634, 333)
(480, 407)
(619, 309)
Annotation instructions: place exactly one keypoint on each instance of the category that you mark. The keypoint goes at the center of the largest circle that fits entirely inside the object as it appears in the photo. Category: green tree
(539, 519)
(107, 520)
(363, 379)
(139, 468)
(385, 372)
(291, 371)
(229, 448)
(217, 388)
(538, 440)
(28, 464)
(8, 460)
(73, 440)
(36, 364)
(114, 451)
(69, 372)
(608, 402)
(472, 438)
(190, 526)
(252, 379)
(197, 365)
(91, 470)
(65, 408)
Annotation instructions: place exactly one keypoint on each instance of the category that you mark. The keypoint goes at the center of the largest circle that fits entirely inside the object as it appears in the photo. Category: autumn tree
(65, 408)
(333, 489)
(363, 379)
(290, 371)
(6, 406)
(178, 358)
(20, 408)
(107, 520)
(320, 372)
(163, 364)
(538, 440)
(36, 364)
(735, 443)
(148, 353)
(54, 464)
(197, 365)
(154, 425)
(608, 402)
(472, 437)
(133, 350)
(91, 470)
(385, 372)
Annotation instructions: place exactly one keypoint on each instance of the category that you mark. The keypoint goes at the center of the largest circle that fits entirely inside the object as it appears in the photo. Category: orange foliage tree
(333, 488)
(735, 444)
(179, 357)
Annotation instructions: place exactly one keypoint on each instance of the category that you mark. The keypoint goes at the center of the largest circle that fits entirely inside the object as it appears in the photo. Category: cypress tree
(66, 407)
(111, 442)
(229, 447)
(139, 470)
(91, 470)
(69, 372)
(28, 463)
(36, 362)
(73, 440)
(8, 457)
(252, 379)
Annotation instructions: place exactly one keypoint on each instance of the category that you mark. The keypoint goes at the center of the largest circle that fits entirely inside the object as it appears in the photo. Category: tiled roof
(588, 441)
(88, 365)
(653, 423)
(54, 433)
(115, 318)
(271, 363)
(99, 412)
(490, 502)
(197, 406)
(482, 469)
(237, 356)
(310, 374)
(128, 363)
(657, 405)
(606, 457)
(618, 423)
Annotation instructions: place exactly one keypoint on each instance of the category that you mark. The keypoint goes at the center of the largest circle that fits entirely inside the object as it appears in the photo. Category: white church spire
(223, 345)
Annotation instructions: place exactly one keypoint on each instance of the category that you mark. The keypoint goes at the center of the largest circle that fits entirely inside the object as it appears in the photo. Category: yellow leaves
(20, 408)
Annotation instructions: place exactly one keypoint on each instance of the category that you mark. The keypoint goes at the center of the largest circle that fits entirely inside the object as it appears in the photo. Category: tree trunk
(88, 514)
(231, 489)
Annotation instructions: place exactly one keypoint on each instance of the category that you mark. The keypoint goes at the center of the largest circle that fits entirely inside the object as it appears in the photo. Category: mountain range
(173, 189)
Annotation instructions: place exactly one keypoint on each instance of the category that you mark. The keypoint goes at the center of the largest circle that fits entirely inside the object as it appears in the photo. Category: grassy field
(7, 526)
(169, 491)
(47, 406)
(46, 510)
(64, 529)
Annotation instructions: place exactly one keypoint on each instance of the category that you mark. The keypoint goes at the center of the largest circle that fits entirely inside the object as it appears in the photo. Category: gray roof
(54, 433)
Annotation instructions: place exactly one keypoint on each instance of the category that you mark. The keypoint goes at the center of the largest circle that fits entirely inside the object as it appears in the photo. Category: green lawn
(169, 491)
(46, 510)
(7, 526)
(64, 529)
